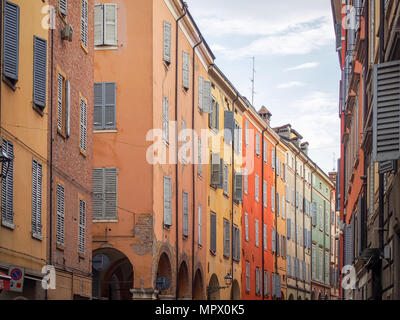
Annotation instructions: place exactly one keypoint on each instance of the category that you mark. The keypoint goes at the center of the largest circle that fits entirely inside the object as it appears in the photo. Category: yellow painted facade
(26, 130)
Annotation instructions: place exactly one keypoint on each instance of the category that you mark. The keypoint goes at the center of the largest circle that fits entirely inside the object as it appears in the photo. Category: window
(265, 151)
(257, 233)
(214, 115)
(105, 105)
(185, 70)
(82, 226)
(200, 166)
(84, 24)
(83, 125)
(372, 34)
(247, 276)
(257, 144)
(265, 237)
(39, 72)
(273, 199)
(205, 97)
(265, 200)
(37, 178)
(185, 210)
(226, 179)
(246, 226)
(314, 262)
(165, 118)
(258, 281)
(213, 234)
(11, 42)
(246, 174)
(273, 235)
(257, 186)
(60, 215)
(227, 238)
(199, 216)
(167, 202)
(167, 42)
(63, 104)
(7, 187)
(266, 284)
(236, 243)
(62, 7)
(105, 193)
(105, 24)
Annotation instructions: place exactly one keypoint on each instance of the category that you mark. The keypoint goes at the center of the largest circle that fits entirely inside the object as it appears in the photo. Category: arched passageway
(198, 287)
(183, 282)
(213, 288)
(164, 270)
(235, 290)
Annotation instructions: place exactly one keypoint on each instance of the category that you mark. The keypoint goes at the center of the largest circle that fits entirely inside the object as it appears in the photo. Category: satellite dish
(100, 262)
(163, 283)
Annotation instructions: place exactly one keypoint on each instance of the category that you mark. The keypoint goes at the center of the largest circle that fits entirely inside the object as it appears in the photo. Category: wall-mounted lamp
(5, 160)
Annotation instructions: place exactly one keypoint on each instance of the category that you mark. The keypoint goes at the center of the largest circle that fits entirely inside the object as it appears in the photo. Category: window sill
(105, 221)
(60, 247)
(9, 83)
(105, 47)
(8, 225)
(105, 131)
(38, 109)
(85, 49)
(81, 256)
(37, 237)
(83, 153)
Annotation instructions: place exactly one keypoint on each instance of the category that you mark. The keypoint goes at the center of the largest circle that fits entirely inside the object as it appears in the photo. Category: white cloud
(291, 84)
(308, 65)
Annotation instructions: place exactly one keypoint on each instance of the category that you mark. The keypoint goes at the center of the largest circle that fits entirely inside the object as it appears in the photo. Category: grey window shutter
(110, 90)
(273, 288)
(309, 239)
(265, 236)
(273, 162)
(386, 126)
(238, 237)
(201, 86)
(37, 177)
(226, 179)
(234, 244)
(84, 23)
(246, 133)
(213, 233)
(98, 194)
(215, 169)
(110, 24)
(82, 226)
(338, 28)
(227, 240)
(257, 144)
(185, 203)
(229, 124)
(60, 215)
(257, 233)
(207, 98)
(165, 119)
(283, 208)
(246, 225)
(167, 41)
(167, 202)
(39, 71)
(221, 174)
(278, 207)
(265, 151)
(98, 105)
(98, 24)
(387, 166)
(62, 6)
(238, 187)
(11, 40)
(265, 192)
(200, 157)
(110, 180)
(7, 186)
(273, 198)
(185, 69)
(273, 234)
(288, 231)
(247, 276)
(256, 187)
(83, 125)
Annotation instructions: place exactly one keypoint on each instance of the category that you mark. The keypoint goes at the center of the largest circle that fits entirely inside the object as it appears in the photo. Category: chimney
(304, 147)
(265, 114)
(333, 176)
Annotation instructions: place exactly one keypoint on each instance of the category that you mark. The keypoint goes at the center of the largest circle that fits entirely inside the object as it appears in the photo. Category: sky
(297, 67)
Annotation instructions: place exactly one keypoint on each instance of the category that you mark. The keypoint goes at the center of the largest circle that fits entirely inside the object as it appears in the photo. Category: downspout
(276, 213)
(295, 215)
(233, 192)
(193, 159)
(304, 222)
(177, 149)
(262, 213)
(311, 254)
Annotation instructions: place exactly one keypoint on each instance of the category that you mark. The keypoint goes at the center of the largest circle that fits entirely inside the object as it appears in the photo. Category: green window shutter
(82, 227)
(98, 194)
(185, 69)
(185, 208)
(39, 71)
(110, 180)
(60, 215)
(11, 40)
(98, 24)
(167, 41)
(167, 202)
(110, 24)
(83, 125)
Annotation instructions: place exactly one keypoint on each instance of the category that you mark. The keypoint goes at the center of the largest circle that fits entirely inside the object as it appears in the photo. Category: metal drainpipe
(177, 149)
(276, 214)
(311, 255)
(304, 222)
(193, 160)
(233, 192)
(295, 215)
(262, 214)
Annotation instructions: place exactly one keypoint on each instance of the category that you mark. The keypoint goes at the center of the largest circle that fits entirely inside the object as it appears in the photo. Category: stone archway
(183, 282)
(291, 297)
(213, 288)
(164, 270)
(235, 290)
(299, 298)
(113, 275)
(313, 295)
(198, 292)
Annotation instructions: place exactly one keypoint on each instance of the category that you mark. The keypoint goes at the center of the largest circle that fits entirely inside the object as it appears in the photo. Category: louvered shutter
(265, 236)
(200, 158)
(110, 24)
(37, 177)
(265, 151)
(109, 99)
(185, 69)
(273, 235)
(98, 106)
(11, 40)
(273, 162)
(98, 24)
(221, 174)
(257, 144)
(84, 23)
(215, 169)
(283, 208)
(246, 133)
(386, 128)
(265, 283)
(288, 225)
(257, 232)
(213, 233)
(278, 286)
(60, 215)
(314, 214)
(201, 86)
(247, 276)
(338, 29)
(226, 179)
(7, 186)
(238, 243)
(167, 202)
(60, 88)
(167, 41)
(278, 204)
(273, 198)
(234, 244)
(68, 108)
(199, 225)
(82, 226)
(227, 236)
(246, 226)
(229, 124)
(111, 176)
(207, 98)
(83, 126)
(309, 239)
(39, 71)
(273, 288)
(238, 187)
(98, 194)
(265, 200)
(256, 187)
(165, 119)
(62, 6)
(185, 203)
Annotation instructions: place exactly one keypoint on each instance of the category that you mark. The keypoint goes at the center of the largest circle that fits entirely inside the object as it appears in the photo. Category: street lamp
(5, 160)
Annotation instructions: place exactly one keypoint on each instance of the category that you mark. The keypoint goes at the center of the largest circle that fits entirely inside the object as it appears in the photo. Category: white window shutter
(83, 125)
(167, 202)
(60, 83)
(68, 108)
(246, 225)
(110, 24)
(60, 215)
(167, 41)
(98, 25)
(185, 69)
(82, 227)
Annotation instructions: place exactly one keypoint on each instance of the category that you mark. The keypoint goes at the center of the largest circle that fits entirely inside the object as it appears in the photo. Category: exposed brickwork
(144, 235)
